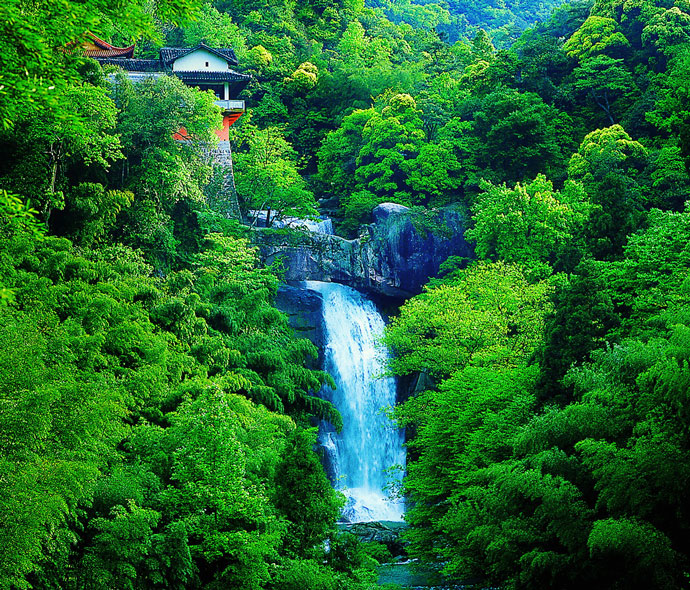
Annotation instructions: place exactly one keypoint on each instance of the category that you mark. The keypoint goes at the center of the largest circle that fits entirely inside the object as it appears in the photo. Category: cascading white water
(323, 225)
(369, 444)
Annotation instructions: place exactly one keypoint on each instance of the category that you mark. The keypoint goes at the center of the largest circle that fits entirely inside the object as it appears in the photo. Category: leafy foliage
(126, 416)
(532, 225)
(155, 405)
(488, 314)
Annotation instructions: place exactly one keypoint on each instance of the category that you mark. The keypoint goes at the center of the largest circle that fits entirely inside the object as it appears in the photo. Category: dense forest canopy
(156, 410)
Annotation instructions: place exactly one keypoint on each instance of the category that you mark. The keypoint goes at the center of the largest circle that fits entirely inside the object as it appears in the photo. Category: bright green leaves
(216, 29)
(531, 224)
(555, 497)
(672, 113)
(168, 177)
(232, 262)
(461, 429)
(339, 151)
(268, 177)
(598, 35)
(669, 179)
(15, 216)
(608, 163)
(49, 145)
(529, 547)
(489, 315)
(390, 139)
(357, 50)
(93, 345)
(35, 68)
(205, 482)
(378, 149)
(668, 31)
(304, 78)
(474, 336)
(152, 112)
(605, 149)
(91, 212)
(57, 429)
(653, 276)
(214, 485)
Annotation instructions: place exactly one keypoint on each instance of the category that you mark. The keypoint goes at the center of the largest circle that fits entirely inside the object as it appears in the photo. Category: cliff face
(394, 256)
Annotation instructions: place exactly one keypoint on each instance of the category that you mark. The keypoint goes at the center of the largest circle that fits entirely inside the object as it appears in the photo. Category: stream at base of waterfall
(367, 456)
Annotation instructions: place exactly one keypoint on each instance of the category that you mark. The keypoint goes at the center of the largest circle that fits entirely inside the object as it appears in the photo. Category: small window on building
(206, 64)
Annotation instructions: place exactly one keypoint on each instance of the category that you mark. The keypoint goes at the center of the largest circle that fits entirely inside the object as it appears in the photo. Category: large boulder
(389, 534)
(407, 247)
(394, 256)
(383, 211)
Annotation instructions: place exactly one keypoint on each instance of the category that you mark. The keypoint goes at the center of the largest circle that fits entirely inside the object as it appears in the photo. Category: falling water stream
(360, 457)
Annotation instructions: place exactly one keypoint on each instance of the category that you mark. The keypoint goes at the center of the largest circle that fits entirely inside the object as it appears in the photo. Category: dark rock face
(394, 256)
(305, 314)
(405, 253)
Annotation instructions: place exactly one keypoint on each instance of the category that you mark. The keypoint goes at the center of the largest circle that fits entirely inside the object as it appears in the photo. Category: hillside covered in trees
(156, 410)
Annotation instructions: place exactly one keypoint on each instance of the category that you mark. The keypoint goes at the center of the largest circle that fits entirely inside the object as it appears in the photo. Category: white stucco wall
(196, 61)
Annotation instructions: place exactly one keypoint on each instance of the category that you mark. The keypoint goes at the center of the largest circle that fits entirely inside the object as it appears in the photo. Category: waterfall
(322, 225)
(369, 444)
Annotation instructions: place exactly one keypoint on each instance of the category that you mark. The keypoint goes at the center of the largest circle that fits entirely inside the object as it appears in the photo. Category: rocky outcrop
(388, 534)
(394, 256)
(304, 309)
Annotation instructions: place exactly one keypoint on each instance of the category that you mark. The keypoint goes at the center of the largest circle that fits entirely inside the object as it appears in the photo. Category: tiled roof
(134, 65)
(206, 76)
(106, 50)
(170, 54)
(110, 53)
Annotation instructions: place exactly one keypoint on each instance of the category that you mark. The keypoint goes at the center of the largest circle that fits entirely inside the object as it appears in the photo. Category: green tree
(668, 31)
(607, 164)
(304, 495)
(606, 81)
(525, 499)
(219, 445)
(583, 319)
(59, 427)
(671, 114)
(35, 69)
(166, 175)
(216, 29)
(53, 143)
(596, 37)
(531, 224)
(515, 137)
(389, 139)
(487, 315)
(670, 179)
(268, 178)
